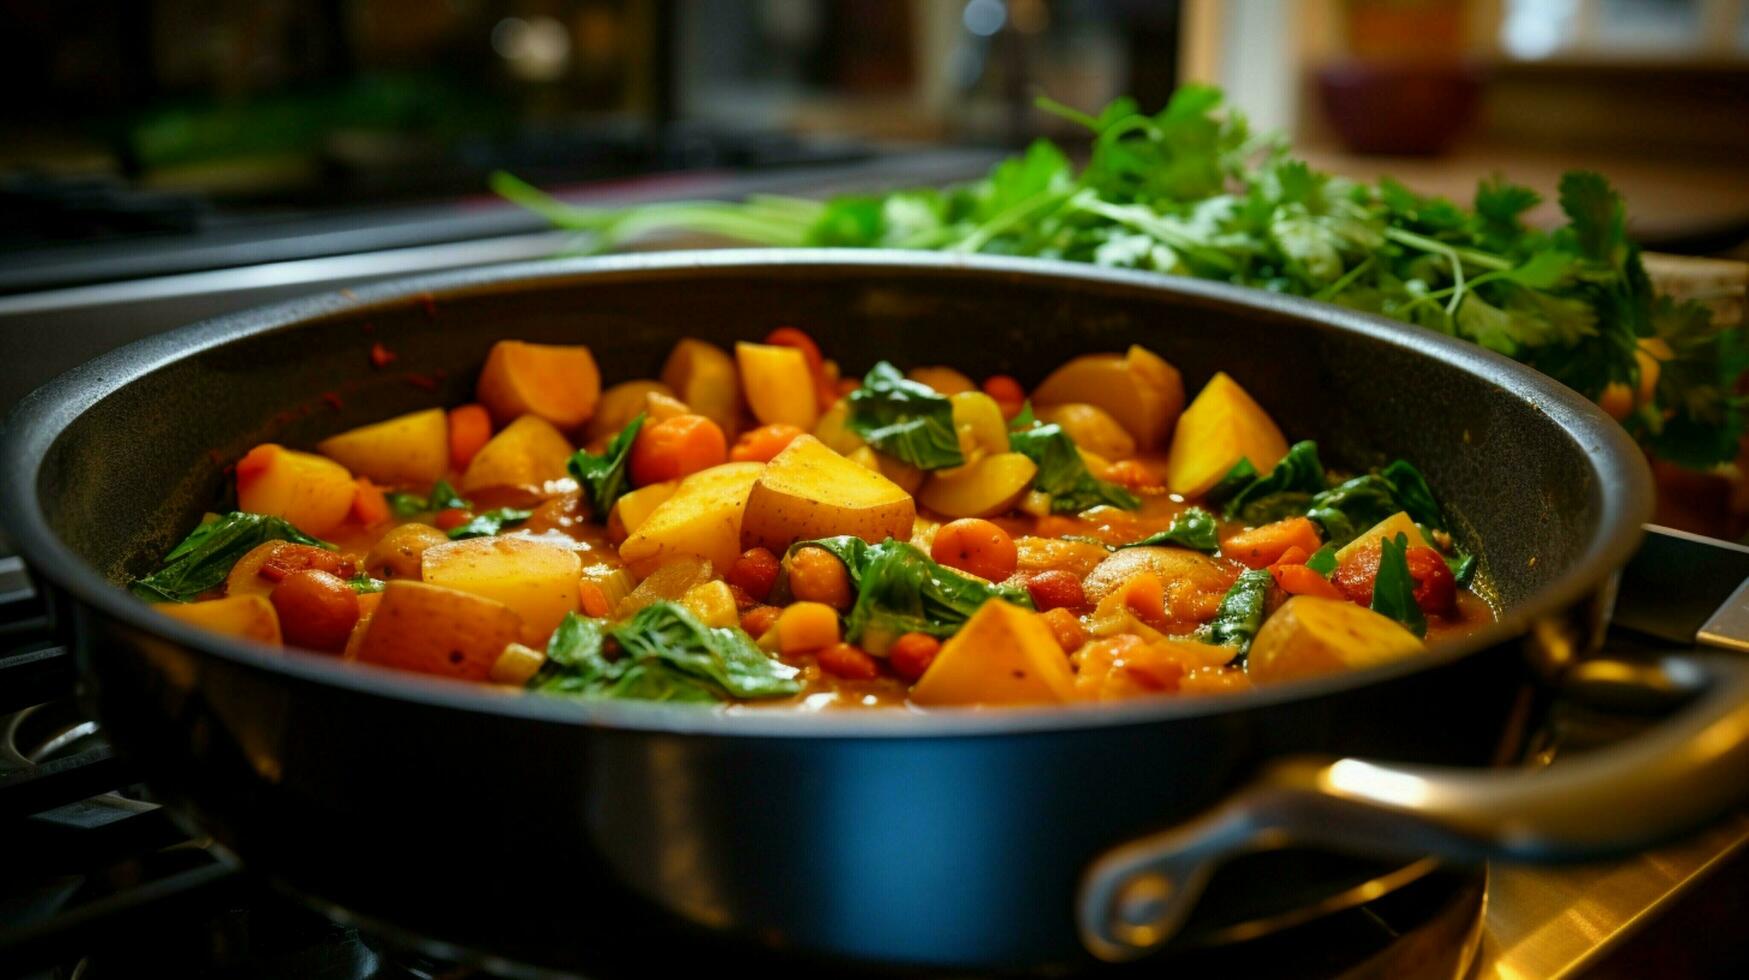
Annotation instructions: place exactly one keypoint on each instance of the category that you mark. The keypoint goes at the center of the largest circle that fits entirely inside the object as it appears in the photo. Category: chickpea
(400, 551)
(816, 576)
(977, 546)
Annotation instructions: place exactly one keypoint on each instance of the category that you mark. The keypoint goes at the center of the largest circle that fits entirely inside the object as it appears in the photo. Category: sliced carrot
(369, 506)
(761, 444)
(1300, 580)
(1145, 596)
(1260, 547)
(1007, 392)
(470, 427)
(676, 447)
(593, 599)
(1294, 555)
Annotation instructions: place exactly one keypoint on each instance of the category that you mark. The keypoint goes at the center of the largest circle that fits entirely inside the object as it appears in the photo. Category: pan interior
(1533, 482)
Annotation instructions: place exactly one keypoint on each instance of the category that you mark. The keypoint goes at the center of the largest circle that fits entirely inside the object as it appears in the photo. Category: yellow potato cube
(702, 518)
(703, 376)
(312, 492)
(1222, 426)
(1310, 635)
(808, 491)
(1002, 655)
(1390, 527)
(1138, 388)
(527, 453)
(408, 449)
(631, 510)
(778, 384)
(537, 580)
(982, 488)
(245, 617)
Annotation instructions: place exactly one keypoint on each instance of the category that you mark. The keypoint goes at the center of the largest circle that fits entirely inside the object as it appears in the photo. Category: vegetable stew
(752, 528)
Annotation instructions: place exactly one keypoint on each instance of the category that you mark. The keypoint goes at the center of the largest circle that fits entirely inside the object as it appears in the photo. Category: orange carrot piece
(761, 444)
(1300, 580)
(369, 506)
(470, 427)
(593, 599)
(1295, 555)
(1260, 547)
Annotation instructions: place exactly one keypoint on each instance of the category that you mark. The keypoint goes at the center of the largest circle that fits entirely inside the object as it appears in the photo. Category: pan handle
(1684, 772)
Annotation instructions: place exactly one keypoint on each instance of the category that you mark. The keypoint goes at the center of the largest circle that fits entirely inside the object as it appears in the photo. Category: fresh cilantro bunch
(1191, 191)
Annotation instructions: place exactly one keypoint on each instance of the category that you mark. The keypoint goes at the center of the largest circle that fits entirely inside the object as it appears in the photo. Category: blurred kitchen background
(166, 160)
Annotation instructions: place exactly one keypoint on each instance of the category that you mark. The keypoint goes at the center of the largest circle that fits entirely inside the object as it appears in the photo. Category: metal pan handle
(1684, 772)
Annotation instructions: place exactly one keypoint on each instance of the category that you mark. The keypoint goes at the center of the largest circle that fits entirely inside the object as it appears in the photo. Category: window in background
(1635, 29)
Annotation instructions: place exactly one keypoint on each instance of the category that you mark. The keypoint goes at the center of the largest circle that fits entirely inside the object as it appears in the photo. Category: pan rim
(1624, 487)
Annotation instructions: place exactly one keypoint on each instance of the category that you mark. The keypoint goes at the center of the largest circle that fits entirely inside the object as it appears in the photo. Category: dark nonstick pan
(548, 832)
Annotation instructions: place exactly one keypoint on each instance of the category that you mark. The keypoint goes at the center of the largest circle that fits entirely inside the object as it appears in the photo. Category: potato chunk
(1309, 635)
(407, 449)
(702, 519)
(618, 406)
(538, 581)
(703, 376)
(778, 383)
(1222, 426)
(312, 492)
(245, 617)
(1092, 428)
(1192, 583)
(808, 491)
(631, 510)
(557, 383)
(1138, 388)
(527, 453)
(1390, 527)
(434, 630)
(982, 488)
(1002, 655)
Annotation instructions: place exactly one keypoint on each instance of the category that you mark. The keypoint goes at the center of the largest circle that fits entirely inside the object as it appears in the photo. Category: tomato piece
(848, 662)
(1056, 589)
(755, 572)
(912, 653)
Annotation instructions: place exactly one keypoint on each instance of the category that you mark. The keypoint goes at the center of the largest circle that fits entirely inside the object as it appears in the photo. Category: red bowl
(1401, 109)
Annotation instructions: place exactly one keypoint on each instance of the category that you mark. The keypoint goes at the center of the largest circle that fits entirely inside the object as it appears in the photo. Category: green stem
(1006, 219)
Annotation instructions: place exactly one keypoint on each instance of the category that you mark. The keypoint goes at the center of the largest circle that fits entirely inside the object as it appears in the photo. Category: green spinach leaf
(900, 590)
(203, 559)
(603, 477)
(1240, 614)
(363, 584)
(1393, 591)
(1193, 528)
(905, 418)
(1285, 492)
(1063, 474)
(1323, 561)
(488, 523)
(666, 654)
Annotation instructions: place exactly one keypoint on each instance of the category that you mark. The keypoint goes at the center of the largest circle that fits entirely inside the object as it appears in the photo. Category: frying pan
(543, 831)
